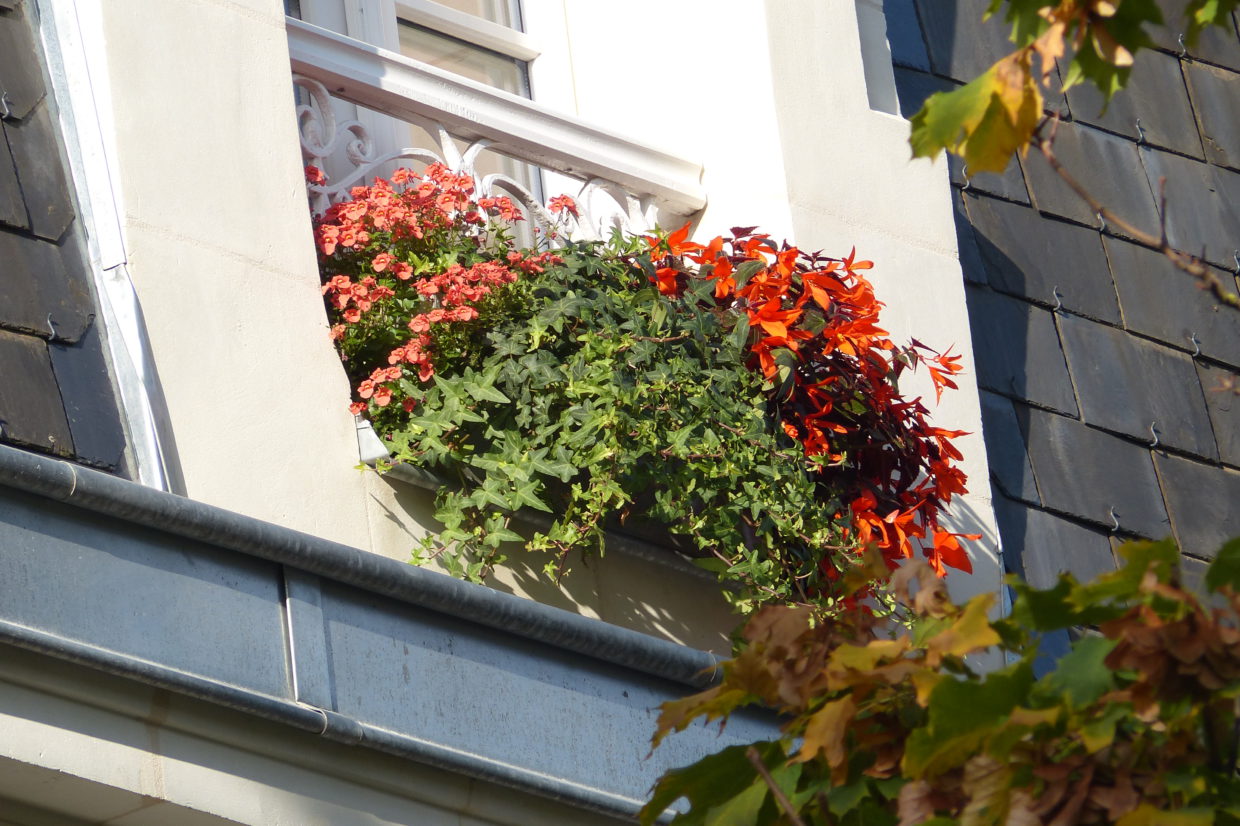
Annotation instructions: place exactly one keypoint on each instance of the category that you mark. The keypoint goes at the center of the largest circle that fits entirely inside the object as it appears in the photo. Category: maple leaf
(827, 733)
(984, 121)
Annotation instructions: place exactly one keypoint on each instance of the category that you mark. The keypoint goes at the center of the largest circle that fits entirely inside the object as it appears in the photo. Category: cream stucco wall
(770, 99)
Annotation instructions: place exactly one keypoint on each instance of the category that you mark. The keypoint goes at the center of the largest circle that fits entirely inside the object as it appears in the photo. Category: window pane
(497, 11)
(475, 63)
(463, 59)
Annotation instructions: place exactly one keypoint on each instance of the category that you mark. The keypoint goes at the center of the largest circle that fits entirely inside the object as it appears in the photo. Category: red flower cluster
(814, 335)
(392, 231)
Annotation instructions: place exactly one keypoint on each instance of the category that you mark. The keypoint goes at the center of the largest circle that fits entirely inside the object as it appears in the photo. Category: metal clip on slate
(1114, 519)
(1058, 299)
(1102, 222)
(1183, 46)
(964, 173)
(1235, 256)
(1140, 134)
(1154, 433)
(5, 111)
(1196, 345)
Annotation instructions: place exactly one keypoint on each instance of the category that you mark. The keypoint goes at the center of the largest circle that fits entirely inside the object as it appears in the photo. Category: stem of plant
(776, 792)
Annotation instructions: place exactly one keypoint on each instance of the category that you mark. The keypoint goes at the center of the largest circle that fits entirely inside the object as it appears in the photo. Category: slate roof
(56, 393)
(1088, 345)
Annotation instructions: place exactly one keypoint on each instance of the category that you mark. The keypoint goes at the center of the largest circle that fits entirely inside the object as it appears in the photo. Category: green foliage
(593, 399)
(739, 395)
(1136, 724)
(1092, 41)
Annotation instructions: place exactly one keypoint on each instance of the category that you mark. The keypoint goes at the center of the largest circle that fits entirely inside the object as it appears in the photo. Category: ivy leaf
(986, 120)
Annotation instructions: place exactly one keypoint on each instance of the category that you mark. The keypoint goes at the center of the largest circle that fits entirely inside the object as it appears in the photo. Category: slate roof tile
(1028, 255)
(1215, 45)
(1106, 165)
(1155, 95)
(971, 264)
(21, 70)
(904, 35)
(1127, 384)
(961, 46)
(1017, 350)
(1005, 450)
(41, 172)
(1010, 184)
(89, 400)
(1203, 204)
(1202, 501)
(1216, 101)
(1040, 546)
(43, 279)
(31, 413)
(1162, 302)
(913, 87)
(1224, 407)
(1088, 474)
(12, 207)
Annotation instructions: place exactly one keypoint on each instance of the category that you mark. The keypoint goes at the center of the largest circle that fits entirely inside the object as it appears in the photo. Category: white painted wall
(770, 98)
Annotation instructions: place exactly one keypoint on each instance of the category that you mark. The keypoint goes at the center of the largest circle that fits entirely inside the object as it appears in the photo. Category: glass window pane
(497, 11)
(464, 59)
(476, 63)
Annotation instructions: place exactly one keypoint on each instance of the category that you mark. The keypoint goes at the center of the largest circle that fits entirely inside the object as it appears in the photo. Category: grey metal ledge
(102, 493)
(329, 639)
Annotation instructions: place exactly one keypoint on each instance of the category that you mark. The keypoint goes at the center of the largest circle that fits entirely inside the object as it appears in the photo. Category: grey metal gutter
(329, 724)
(99, 492)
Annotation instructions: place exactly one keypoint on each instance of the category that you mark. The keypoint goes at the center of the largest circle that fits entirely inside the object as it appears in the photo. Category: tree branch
(776, 792)
(1190, 264)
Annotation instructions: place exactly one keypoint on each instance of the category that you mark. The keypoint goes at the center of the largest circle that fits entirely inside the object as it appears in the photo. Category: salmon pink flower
(563, 203)
(382, 261)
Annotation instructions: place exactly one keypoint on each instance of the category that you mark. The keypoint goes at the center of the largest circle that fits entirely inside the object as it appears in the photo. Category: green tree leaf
(1225, 569)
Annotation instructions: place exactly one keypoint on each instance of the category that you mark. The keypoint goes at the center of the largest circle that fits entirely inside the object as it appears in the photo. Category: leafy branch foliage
(1136, 725)
(1092, 41)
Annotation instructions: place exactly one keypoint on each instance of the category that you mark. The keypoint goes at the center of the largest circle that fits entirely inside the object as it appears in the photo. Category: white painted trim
(71, 31)
(407, 89)
(470, 28)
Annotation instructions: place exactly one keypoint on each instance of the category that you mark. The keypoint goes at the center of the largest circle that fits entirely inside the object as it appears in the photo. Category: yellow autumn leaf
(984, 121)
(970, 632)
(1147, 815)
(827, 732)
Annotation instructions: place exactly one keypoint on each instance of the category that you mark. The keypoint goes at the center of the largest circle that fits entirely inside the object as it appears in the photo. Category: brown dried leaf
(987, 784)
(914, 805)
(1021, 811)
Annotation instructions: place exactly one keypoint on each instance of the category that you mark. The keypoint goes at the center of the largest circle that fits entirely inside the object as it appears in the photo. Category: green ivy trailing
(593, 396)
(738, 394)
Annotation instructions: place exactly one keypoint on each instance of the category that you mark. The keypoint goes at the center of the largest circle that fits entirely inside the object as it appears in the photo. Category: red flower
(563, 203)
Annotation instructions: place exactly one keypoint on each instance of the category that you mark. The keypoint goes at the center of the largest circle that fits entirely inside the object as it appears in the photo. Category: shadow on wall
(617, 587)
